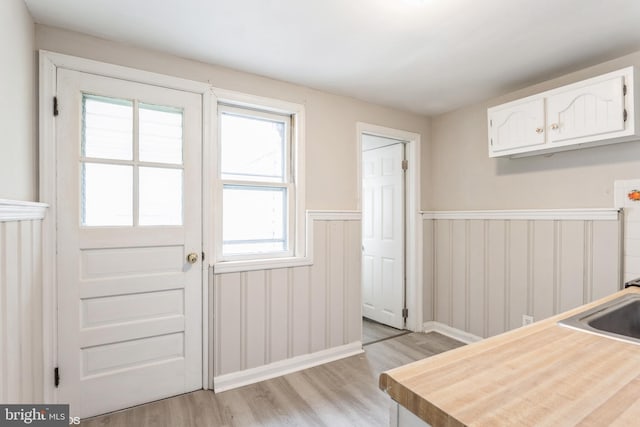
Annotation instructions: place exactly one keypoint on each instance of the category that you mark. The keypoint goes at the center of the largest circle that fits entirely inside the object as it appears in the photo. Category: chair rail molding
(14, 210)
(604, 214)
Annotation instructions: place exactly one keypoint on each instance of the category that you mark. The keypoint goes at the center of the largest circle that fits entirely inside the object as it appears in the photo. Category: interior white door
(129, 213)
(383, 234)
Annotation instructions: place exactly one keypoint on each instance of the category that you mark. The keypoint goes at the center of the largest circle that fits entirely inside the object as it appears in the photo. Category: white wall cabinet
(513, 127)
(597, 111)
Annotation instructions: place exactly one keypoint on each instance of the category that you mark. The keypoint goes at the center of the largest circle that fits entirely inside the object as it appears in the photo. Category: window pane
(252, 148)
(160, 134)
(160, 196)
(254, 219)
(107, 128)
(107, 194)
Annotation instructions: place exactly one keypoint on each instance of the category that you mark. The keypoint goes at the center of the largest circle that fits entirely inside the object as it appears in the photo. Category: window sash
(287, 172)
(288, 227)
(92, 157)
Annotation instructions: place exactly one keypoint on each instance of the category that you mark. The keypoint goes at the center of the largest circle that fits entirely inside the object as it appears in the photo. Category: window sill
(259, 264)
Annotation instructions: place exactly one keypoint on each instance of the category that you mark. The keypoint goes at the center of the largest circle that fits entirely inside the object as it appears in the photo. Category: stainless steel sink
(617, 319)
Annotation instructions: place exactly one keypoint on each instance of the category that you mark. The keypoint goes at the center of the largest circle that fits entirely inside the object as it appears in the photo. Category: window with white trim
(257, 184)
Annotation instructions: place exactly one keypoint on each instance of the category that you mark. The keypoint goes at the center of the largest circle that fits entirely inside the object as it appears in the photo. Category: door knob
(192, 258)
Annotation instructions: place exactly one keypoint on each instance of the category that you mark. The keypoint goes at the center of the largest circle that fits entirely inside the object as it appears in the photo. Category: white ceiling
(426, 56)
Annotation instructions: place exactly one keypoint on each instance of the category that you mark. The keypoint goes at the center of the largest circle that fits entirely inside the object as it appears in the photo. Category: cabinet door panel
(590, 110)
(517, 126)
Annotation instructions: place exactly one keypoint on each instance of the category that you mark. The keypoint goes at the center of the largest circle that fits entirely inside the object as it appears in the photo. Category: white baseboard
(283, 367)
(451, 332)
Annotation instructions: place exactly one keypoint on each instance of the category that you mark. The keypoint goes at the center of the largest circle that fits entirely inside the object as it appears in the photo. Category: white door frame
(49, 63)
(413, 216)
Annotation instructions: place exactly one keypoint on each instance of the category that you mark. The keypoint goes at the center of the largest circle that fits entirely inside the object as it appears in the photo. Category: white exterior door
(129, 212)
(383, 234)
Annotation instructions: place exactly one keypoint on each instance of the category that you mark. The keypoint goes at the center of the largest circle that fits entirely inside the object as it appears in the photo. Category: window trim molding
(212, 198)
(307, 260)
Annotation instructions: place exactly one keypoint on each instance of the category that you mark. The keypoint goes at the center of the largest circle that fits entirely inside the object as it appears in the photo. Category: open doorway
(383, 230)
(391, 232)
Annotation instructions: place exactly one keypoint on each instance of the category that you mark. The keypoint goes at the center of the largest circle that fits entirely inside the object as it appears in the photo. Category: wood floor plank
(340, 393)
(373, 331)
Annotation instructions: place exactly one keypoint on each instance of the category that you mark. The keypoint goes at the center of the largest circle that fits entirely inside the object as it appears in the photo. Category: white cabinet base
(402, 417)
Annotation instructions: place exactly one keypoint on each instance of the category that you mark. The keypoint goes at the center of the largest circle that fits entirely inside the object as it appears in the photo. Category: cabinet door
(591, 110)
(516, 126)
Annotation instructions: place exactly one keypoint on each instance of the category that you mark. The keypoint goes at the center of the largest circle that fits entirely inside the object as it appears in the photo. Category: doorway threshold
(375, 332)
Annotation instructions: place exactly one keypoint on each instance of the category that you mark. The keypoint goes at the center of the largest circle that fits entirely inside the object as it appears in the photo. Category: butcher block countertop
(542, 374)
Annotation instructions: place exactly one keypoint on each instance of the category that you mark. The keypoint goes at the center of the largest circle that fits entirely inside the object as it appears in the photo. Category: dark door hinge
(624, 90)
(405, 313)
(405, 165)
(55, 106)
(624, 115)
(202, 256)
(56, 376)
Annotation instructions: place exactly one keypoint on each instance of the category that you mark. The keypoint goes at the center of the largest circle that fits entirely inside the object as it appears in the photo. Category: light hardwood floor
(373, 331)
(341, 393)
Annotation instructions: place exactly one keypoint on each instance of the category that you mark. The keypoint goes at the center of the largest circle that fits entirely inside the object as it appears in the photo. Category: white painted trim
(318, 215)
(393, 413)
(450, 332)
(283, 367)
(248, 100)
(414, 241)
(207, 226)
(298, 143)
(49, 63)
(273, 263)
(75, 63)
(605, 214)
(14, 210)
(47, 188)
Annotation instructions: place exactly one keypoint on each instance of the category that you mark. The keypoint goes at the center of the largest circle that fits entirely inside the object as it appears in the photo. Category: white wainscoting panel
(484, 272)
(264, 318)
(21, 349)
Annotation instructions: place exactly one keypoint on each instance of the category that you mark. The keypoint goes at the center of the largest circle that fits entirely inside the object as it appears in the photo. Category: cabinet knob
(539, 130)
(555, 126)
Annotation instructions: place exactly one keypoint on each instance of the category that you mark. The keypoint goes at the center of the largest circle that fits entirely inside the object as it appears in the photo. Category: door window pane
(107, 128)
(253, 148)
(160, 196)
(160, 130)
(106, 195)
(254, 219)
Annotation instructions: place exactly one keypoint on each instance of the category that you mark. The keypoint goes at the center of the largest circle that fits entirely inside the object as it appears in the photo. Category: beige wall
(464, 178)
(17, 110)
(331, 119)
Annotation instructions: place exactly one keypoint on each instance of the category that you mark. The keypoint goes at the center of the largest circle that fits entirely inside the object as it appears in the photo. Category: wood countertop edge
(392, 381)
(422, 408)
